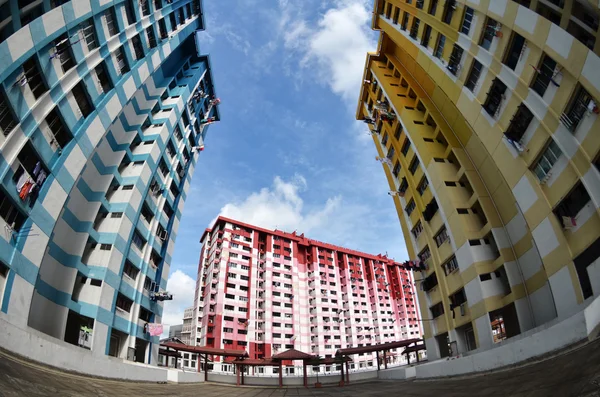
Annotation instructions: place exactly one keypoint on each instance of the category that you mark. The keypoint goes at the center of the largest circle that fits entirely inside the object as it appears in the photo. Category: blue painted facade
(107, 98)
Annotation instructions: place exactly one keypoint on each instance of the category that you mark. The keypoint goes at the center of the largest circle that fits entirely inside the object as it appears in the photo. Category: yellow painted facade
(488, 114)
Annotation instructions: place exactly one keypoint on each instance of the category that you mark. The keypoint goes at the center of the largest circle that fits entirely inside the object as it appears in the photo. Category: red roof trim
(300, 239)
(374, 348)
(205, 350)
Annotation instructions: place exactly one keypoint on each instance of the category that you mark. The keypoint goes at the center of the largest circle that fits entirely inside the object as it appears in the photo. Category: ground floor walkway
(573, 373)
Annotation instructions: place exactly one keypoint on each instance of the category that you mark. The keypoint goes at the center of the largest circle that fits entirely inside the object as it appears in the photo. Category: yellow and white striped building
(488, 111)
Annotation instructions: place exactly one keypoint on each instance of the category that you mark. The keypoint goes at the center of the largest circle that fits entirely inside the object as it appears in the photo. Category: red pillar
(304, 369)
(242, 375)
(385, 358)
(378, 363)
(206, 367)
(199, 362)
(342, 367)
(280, 375)
(237, 381)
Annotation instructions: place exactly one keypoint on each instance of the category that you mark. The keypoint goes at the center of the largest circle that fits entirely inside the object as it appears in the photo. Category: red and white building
(266, 291)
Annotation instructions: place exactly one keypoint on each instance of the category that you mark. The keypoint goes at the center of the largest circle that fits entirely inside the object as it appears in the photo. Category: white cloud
(337, 45)
(183, 288)
(281, 206)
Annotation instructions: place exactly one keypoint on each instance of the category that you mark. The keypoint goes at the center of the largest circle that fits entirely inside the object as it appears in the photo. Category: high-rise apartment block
(104, 107)
(485, 117)
(267, 291)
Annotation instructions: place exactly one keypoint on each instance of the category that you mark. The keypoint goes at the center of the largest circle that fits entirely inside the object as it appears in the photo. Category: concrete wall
(536, 342)
(290, 381)
(177, 376)
(40, 347)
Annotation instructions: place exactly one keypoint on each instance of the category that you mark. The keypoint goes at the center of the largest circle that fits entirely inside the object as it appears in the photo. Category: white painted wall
(542, 304)
(562, 289)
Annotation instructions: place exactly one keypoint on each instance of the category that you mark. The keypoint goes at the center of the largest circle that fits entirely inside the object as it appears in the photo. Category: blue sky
(288, 152)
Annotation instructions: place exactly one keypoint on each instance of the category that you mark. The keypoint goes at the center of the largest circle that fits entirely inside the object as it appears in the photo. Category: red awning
(256, 362)
(373, 348)
(205, 350)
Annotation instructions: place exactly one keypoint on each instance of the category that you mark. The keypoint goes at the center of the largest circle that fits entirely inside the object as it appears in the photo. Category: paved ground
(575, 373)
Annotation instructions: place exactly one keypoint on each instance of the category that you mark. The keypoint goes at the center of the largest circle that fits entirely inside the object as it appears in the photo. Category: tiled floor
(576, 373)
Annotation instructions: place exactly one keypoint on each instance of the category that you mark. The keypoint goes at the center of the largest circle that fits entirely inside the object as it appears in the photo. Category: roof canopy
(168, 353)
(205, 350)
(412, 349)
(374, 348)
(255, 362)
(292, 354)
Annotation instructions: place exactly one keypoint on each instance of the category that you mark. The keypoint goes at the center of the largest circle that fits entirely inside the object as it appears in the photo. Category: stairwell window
(151, 36)
(433, 7)
(405, 147)
(396, 170)
(439, 48)
(474, 74)
(138, 240)
(547, 160)
(494, 97)
(467, 20)
(515, 50)
(104, 82)
(86, 29)
(417, 230)
(162, 29)
(404, 25)
(396, 15)
(423, 186)
(8, 121)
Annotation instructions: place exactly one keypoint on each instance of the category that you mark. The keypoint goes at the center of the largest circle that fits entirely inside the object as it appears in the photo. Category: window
(129, 11)
(405, 147)
(86, 29)
(105, 247)
(137, 240)
(426, 36)
(396, 15)
(116, 215)
(405, 20)
(104, 82)
(437, 310)
(9, 212)
(414, 30)
(474, 75)
(441, 237)
(162, 29)
(124, 303)
(396, 170)
(515, 50)
(130, 271)
(489, 32)
(127, 187)
(173, 21)
(494, 97)
(151, 36)
(439, 48)
(385, 139)
(544, 75)
(62, 51)
(81, 97)
(111, 22)
(450, 266)
(138, 49)
(433, 7)
(548, 158)
(410, 207)
(8, 121)
(145, 314)
(467, 20)
(57, 127)
(455, 58)
(420, 4)
(570, 206)
(425, 254)
(122, 64)
(145, 7)
(157, 4)
(423, 185)
(417, 230)
(414, 165)
(33, 78)
(519, 123)
(449, 8)
(577, 108)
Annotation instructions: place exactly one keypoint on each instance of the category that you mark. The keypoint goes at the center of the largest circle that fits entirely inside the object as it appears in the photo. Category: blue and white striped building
(101, 103)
